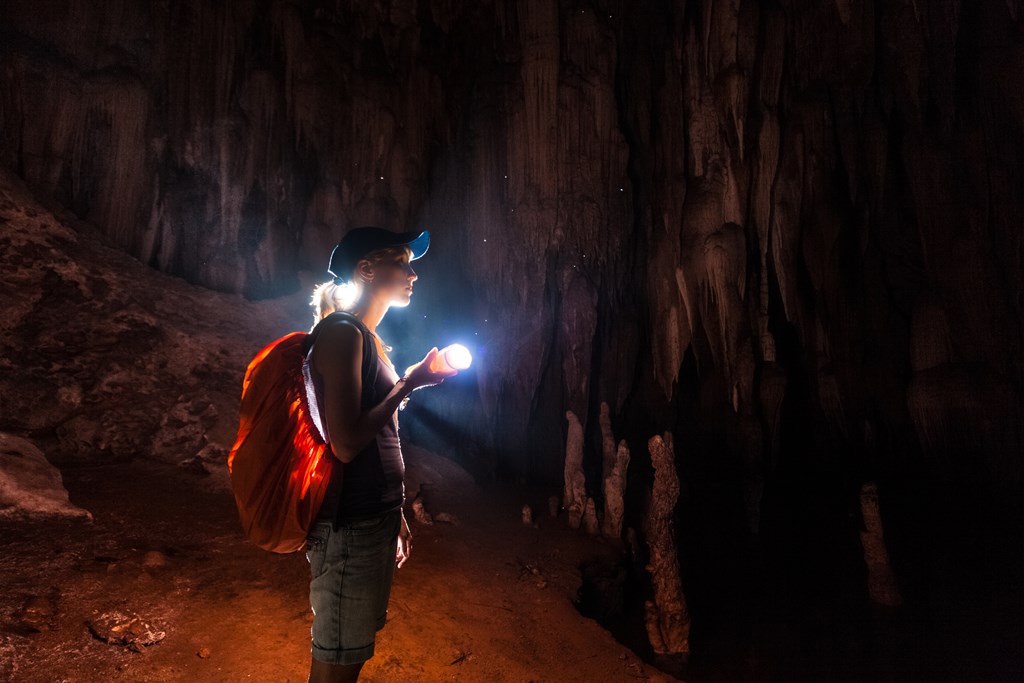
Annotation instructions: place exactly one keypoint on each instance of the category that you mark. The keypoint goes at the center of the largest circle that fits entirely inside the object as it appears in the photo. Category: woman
(360, 533)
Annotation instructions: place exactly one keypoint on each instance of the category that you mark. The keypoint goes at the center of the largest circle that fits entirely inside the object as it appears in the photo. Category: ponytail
(329, 298)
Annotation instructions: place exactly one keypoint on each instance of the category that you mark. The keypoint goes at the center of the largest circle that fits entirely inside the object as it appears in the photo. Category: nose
(412, 275)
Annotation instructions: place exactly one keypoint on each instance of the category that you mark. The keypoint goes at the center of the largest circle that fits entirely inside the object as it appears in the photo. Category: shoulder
(338, 334)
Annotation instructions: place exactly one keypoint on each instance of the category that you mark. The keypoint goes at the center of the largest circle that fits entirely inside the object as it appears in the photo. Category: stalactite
(764, 176)
(538, 30)
(668, 618)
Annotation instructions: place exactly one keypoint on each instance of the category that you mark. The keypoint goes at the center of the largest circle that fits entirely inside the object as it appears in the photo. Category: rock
(154, 559)
(420, 514)
(194, 465)
(99, 350)
(182, 428)
(614, 490)
(527, 515)
(574, 498)
(203, 653)
(667, 616)
(882, 587)
(213, 452)
(37, 614)
(554, 505)
(30, 487)
(607, 441)
(124, 628)
(446, 518)
(590, 523)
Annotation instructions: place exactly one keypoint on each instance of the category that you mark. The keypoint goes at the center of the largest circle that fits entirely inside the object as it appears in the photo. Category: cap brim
(419, 245)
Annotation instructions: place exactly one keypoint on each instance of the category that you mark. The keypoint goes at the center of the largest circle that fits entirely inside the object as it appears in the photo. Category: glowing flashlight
(454, 357)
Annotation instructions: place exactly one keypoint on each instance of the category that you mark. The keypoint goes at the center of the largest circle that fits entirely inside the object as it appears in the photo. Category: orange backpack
(281, 463)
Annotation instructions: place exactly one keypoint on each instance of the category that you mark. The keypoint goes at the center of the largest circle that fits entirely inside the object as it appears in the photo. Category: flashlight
(454, 357)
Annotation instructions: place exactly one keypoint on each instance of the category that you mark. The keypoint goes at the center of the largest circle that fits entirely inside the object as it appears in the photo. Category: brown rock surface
(106, 359)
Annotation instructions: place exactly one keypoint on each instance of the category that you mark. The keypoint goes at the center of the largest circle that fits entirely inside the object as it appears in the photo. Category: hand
(404, 543)
(420, 375)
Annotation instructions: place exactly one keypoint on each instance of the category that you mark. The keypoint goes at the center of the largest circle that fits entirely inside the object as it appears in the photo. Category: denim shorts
(352, 566)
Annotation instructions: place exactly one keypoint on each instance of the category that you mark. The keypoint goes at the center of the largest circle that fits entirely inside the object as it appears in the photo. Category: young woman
(360, 534)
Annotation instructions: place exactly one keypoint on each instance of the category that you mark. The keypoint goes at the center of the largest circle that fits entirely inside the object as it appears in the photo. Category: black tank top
(373, 482)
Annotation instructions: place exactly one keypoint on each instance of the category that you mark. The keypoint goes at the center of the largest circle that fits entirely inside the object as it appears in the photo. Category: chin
(401, 302)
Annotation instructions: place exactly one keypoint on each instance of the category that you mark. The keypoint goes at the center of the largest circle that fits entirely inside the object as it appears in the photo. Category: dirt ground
(486, 599)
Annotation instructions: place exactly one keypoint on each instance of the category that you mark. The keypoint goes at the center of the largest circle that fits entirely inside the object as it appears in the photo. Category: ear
(364, 270)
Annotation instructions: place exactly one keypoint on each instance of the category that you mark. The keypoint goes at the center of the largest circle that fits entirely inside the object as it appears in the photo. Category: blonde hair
(329, 297)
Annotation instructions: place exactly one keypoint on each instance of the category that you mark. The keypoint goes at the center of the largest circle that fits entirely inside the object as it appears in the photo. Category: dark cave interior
(786, 236)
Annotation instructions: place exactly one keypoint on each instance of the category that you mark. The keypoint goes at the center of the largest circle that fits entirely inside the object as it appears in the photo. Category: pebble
(154, 559)
(447, 518)
(37, 613)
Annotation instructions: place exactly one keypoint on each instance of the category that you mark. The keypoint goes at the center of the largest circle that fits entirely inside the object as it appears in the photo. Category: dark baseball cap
(359, 242)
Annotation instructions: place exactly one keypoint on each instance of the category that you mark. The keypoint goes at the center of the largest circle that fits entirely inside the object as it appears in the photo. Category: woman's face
(391, 277)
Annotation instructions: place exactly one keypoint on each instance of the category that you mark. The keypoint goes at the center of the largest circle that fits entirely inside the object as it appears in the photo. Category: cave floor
(489, 599)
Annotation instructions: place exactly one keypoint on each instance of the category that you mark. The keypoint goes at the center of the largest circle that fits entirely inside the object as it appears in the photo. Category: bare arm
(338, 357)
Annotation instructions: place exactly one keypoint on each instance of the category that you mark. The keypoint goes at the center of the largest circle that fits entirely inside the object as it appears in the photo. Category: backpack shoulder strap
(370, 367)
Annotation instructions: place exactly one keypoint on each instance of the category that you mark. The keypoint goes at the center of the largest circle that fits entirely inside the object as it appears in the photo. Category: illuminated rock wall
(695, 211)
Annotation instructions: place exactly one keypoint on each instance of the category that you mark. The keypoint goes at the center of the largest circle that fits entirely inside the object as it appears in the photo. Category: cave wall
(721, 217)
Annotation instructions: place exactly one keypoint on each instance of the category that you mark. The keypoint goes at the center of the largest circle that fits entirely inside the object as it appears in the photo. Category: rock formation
(104, 359)
(527, 515)
(30, 487)
(882, 586)
(789, 232)
(614, 488)
(607, 440)
(590, 523)
(668, 620)
(574, 497)
(615, 195)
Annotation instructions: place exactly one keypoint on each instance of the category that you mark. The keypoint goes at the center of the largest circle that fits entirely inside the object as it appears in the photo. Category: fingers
(404, 550)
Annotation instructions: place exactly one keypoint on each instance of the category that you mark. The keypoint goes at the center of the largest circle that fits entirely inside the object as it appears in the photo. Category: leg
(351, 568)
(324, 672)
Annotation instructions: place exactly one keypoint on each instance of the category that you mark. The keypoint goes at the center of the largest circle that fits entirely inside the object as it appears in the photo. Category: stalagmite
(575, 495)
(553, 506)
(614, 488)
(590, 523)
(607, 441)
(652, 622)
(668, 621)
(881, 582)
(527, 515)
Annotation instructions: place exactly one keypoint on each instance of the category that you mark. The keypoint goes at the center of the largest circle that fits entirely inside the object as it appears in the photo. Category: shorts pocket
(316, 547)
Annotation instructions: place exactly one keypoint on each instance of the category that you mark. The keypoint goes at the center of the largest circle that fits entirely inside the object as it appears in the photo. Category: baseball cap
(358, 242)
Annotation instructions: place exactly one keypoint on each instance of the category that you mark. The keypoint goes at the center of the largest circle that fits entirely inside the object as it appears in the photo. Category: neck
(371, 311)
